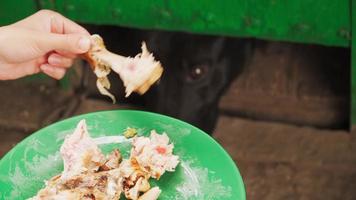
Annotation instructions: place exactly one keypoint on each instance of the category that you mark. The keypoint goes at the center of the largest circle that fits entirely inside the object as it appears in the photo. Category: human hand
(45, 41)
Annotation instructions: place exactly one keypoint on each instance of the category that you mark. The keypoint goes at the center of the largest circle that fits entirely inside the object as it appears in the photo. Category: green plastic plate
(205, 172)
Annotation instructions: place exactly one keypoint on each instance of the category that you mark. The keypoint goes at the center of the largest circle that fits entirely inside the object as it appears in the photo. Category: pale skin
(43, 42)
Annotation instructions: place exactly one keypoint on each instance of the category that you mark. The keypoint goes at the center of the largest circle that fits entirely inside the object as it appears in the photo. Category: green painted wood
(14, 10)
(353, 67)
(323, 22)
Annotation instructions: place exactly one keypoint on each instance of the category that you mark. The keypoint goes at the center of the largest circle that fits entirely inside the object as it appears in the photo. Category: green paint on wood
(308, 21)
(353, 65)
(14, 10)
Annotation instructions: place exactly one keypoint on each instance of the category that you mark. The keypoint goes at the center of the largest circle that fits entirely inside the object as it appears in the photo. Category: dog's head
(197, 70)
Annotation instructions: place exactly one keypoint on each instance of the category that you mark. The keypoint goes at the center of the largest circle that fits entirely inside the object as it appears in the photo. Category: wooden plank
(12, 11)
(319, 112)
(300, 84)
(323, 22)
(275, 142)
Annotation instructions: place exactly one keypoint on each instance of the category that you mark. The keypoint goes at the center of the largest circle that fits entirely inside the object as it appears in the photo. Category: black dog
(198, 68)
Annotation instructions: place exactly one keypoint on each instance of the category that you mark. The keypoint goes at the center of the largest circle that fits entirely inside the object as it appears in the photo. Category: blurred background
(272, 81)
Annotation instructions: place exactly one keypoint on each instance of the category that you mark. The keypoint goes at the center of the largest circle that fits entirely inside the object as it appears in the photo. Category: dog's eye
(197, 72)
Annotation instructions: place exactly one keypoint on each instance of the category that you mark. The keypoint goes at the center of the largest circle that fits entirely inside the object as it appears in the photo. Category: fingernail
(84, 43)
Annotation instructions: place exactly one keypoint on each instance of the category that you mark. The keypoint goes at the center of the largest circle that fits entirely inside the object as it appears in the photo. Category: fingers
(14, 71)
(51, 21)
(56, 26)
(57, 65)
(66, 54)
(52, 71)
(54, 32)
(63, 25)
(58, 60)
(71, 43)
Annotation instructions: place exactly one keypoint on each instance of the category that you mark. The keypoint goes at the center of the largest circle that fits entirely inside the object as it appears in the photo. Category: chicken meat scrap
(154, 154)
(88, 174)
(80, 153)
(150, 157)
(137, 73)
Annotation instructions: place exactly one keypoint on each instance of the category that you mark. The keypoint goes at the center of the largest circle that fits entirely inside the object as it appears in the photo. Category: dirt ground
(278, 156)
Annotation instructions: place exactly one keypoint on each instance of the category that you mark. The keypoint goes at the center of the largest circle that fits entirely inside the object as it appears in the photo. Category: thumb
(72, 43)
